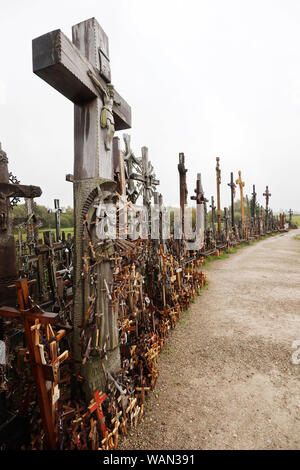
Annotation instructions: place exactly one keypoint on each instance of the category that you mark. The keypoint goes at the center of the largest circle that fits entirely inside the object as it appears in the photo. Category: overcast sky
(205, 77)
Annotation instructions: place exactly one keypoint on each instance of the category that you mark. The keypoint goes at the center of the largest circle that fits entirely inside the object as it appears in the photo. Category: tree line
(45, 216)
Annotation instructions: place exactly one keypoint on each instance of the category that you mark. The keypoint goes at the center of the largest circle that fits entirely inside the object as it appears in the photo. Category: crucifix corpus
(80, 70)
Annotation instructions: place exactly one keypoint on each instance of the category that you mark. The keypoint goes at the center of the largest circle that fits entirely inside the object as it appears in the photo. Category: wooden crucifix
(28, 315)
(80, 70)
(267, 195)
(96, 405)
(183, 191)
(213, 212)
(232, 189)
(253, 204)
(8, 269)
(218, 175)
(241, 184)
(200, 203)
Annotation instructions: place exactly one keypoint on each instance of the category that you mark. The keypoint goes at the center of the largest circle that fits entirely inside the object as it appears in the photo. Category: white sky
(204, 77)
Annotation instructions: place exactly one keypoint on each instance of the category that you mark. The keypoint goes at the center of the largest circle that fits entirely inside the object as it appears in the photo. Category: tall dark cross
(267, 195)
(218, 174)
(146, 182)
(253, 207)
(146, 178)
(8, 269)
(226, 219)
(57, 211)
(130, 162)
(199, 197)
(232, 189)
(80, 70)
(213, 216)
(183, 191)
(241, 184)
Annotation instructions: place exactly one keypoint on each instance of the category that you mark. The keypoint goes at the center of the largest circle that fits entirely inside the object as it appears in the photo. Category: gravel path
(227, 380)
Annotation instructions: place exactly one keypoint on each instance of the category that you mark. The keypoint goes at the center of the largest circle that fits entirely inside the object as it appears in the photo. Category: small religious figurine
(106, 118)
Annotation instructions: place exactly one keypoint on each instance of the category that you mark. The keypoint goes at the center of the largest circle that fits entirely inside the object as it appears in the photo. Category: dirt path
(227, 380)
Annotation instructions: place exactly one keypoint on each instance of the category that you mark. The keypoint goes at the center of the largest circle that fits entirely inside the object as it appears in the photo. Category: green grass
(296, 218)
(42, 230)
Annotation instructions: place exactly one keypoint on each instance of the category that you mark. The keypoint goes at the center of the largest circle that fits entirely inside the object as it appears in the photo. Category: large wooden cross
(232, 189)
(74, 69)
(80, 70)
(241, 184)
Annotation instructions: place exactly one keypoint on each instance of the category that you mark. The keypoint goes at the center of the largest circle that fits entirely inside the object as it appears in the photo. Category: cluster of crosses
(80, 70)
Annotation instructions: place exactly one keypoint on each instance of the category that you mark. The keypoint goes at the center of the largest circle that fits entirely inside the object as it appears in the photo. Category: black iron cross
(146, 178)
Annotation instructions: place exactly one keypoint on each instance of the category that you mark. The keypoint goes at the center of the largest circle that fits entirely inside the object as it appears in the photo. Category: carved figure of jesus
(106, 118)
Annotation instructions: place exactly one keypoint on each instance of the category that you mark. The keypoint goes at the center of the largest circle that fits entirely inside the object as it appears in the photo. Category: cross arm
(45, 317)
(20, 190)
(60, 63)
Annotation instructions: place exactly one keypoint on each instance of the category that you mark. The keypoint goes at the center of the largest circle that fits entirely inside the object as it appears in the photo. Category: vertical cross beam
(267, 195)
(232, 190)
(253, 211)
(213, 212)
(241, 184)
(218, 174)
(183, 192)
